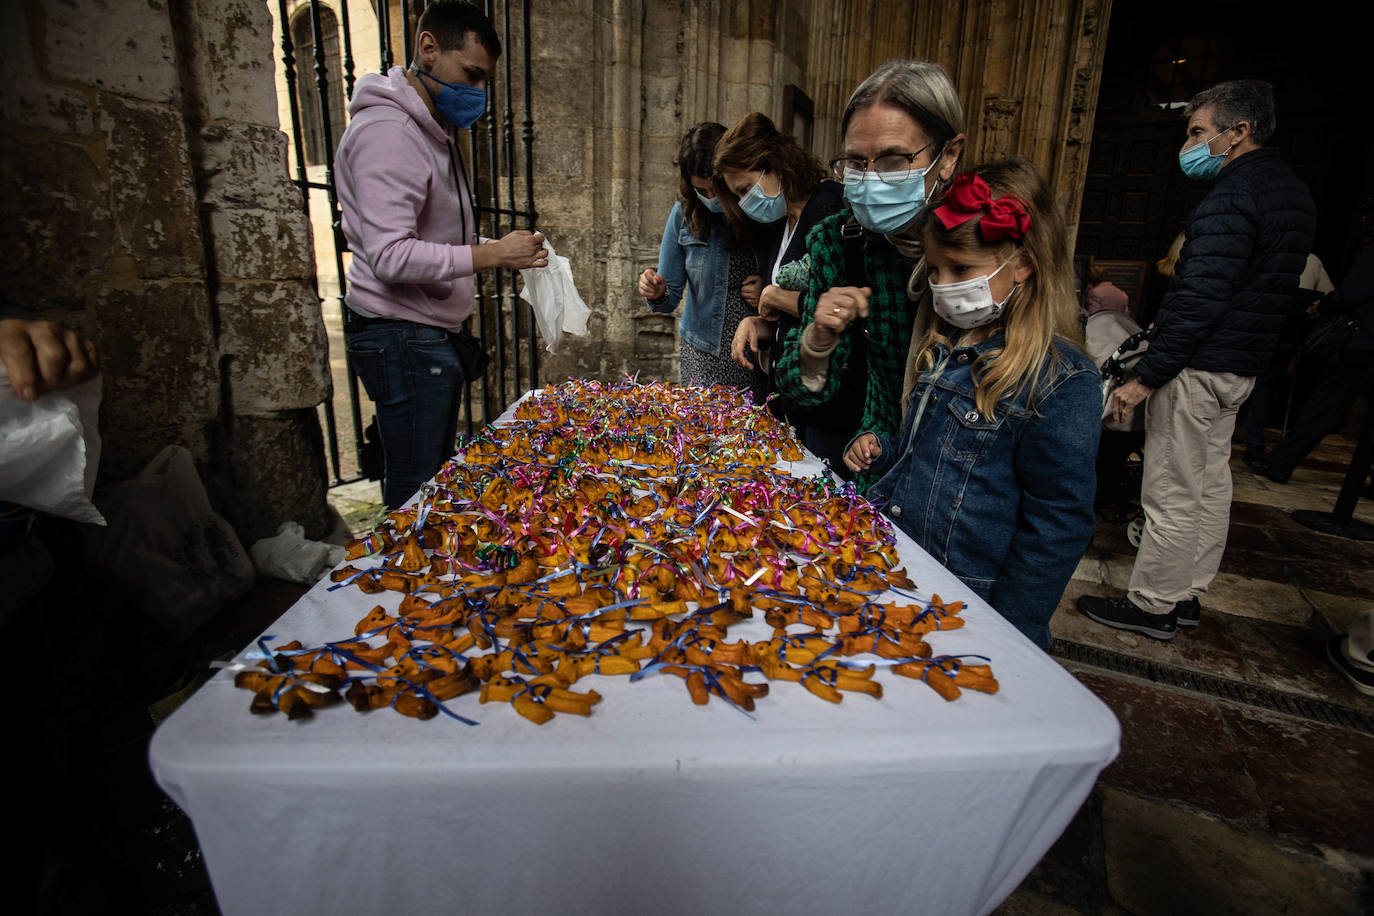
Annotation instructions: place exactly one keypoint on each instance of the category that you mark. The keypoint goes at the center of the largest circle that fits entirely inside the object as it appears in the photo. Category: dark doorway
(1158, 55)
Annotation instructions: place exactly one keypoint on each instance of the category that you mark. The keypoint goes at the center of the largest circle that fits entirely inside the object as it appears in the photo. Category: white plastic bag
(1105, 332)
(558, 308)
(50, 450)
(181, 561)
(288, 555)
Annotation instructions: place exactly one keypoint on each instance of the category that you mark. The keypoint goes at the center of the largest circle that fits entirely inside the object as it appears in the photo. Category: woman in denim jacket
(701, 264)
(993, 472)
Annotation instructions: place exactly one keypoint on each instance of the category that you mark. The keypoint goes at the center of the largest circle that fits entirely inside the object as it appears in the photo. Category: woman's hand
(861, 452)
(750, 289)
(652, 285)
(774, 300)
(836, 310)
(750, 331)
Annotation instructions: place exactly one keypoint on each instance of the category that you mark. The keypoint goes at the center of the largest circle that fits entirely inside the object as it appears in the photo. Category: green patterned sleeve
(827, 270)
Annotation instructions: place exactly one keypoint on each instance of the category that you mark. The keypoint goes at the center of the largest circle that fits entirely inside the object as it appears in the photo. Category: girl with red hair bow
(993, 472)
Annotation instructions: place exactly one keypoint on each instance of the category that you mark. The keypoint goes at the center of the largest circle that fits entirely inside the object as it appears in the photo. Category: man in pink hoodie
(407, 215)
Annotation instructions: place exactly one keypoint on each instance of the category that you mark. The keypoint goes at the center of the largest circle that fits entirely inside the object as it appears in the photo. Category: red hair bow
(969, 197)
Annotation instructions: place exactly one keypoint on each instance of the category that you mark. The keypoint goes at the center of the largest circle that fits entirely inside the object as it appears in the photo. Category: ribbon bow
(969, 196)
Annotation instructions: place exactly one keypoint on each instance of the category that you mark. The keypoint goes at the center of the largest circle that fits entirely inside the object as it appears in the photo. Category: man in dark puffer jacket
(1231, 294)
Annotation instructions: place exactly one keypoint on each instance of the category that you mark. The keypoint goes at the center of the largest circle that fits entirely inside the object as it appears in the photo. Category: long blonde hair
(1041, 308)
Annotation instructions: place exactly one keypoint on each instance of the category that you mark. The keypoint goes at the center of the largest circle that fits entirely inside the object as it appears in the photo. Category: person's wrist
(819, 340)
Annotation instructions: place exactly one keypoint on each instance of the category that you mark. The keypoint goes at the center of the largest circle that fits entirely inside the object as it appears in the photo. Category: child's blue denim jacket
(701, 266)
(1005, 502)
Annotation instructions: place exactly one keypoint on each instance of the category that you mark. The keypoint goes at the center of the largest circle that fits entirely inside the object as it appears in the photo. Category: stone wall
(147, 204)
(616, 84)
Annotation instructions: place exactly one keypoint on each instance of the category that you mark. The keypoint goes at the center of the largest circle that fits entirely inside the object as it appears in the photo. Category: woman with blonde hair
(993, 472)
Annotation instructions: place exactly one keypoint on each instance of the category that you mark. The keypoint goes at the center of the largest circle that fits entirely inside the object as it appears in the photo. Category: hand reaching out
(652, 285)
(752, 335)
(861, 452)
(751, 289)
(836, 310)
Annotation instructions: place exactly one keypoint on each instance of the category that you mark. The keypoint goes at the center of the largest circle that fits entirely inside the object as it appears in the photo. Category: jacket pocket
(693, 250)
(968, 431)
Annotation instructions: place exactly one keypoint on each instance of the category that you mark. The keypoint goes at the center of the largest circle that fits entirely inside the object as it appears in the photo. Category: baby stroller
(1117, 343)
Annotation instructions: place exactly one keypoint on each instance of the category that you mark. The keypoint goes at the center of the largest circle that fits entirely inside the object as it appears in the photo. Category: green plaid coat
(890, 318)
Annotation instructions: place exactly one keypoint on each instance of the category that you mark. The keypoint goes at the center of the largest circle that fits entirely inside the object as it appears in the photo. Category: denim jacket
(1005, 502)
(702, 267)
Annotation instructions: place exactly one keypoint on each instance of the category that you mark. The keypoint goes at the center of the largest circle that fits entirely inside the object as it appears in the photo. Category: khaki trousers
(1186, 492)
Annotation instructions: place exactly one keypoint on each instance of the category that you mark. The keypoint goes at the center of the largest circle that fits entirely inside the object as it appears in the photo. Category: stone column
(101, 229)
(272, 346)
(1028, 75)
(144, 184)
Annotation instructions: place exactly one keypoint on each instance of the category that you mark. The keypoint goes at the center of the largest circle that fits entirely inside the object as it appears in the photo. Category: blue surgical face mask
(458, 103)
(883, 207)
(761, 208)
(710, 203)
(1199, 162)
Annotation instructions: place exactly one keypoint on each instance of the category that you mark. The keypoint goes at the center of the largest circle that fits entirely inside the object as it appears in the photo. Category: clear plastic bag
(50, 450)
(558, 308)
(164, 543)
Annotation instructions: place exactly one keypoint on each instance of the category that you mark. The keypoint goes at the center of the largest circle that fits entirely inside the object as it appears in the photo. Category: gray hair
(918, 87)
(1251, 101)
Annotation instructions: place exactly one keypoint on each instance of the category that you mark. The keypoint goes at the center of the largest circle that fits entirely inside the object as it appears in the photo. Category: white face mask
(968, 303)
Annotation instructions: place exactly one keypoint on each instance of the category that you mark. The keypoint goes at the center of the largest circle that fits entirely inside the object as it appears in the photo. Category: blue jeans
(412, 374)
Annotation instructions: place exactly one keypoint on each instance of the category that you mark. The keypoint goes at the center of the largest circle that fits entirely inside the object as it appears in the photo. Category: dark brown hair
(755, 144)
(450, 21)
(695, 159)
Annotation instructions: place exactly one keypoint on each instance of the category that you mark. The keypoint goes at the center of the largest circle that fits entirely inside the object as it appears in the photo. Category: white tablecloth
(650, 805)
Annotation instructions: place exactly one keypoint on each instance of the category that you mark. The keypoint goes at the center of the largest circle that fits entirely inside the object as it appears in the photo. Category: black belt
(352, 321)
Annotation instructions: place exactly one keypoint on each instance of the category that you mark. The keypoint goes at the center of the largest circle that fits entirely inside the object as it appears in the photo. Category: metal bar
(478, 282)
(1261, 697)
(495, 191)
(289, 62)
(531, 216)
(335, 216)
(383, 8)
(347, 38)
(293, 100)
(405, 30)
(508, 158)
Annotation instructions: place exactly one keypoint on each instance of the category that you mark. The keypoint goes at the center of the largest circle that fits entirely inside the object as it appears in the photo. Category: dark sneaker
(1361, 678)
(1123, 615)
(1265, 467)
(1189, 613)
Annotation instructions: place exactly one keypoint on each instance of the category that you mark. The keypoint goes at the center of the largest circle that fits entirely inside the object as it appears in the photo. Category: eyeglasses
(893, 168)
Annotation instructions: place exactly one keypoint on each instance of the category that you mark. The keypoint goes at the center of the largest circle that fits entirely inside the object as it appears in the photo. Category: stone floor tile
(1026, 903)
(1071, 873)
(1298, 543)
(1289, 659)
(1247, 596)
(1305, 490)
(1338, 611)
(1164, 858)
(1339, 577)
(1247, 536)
(1174, 746)
(1204, 649)
(1315, 780)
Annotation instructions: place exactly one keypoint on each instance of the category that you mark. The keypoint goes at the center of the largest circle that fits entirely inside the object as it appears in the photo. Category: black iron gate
(318, 85)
